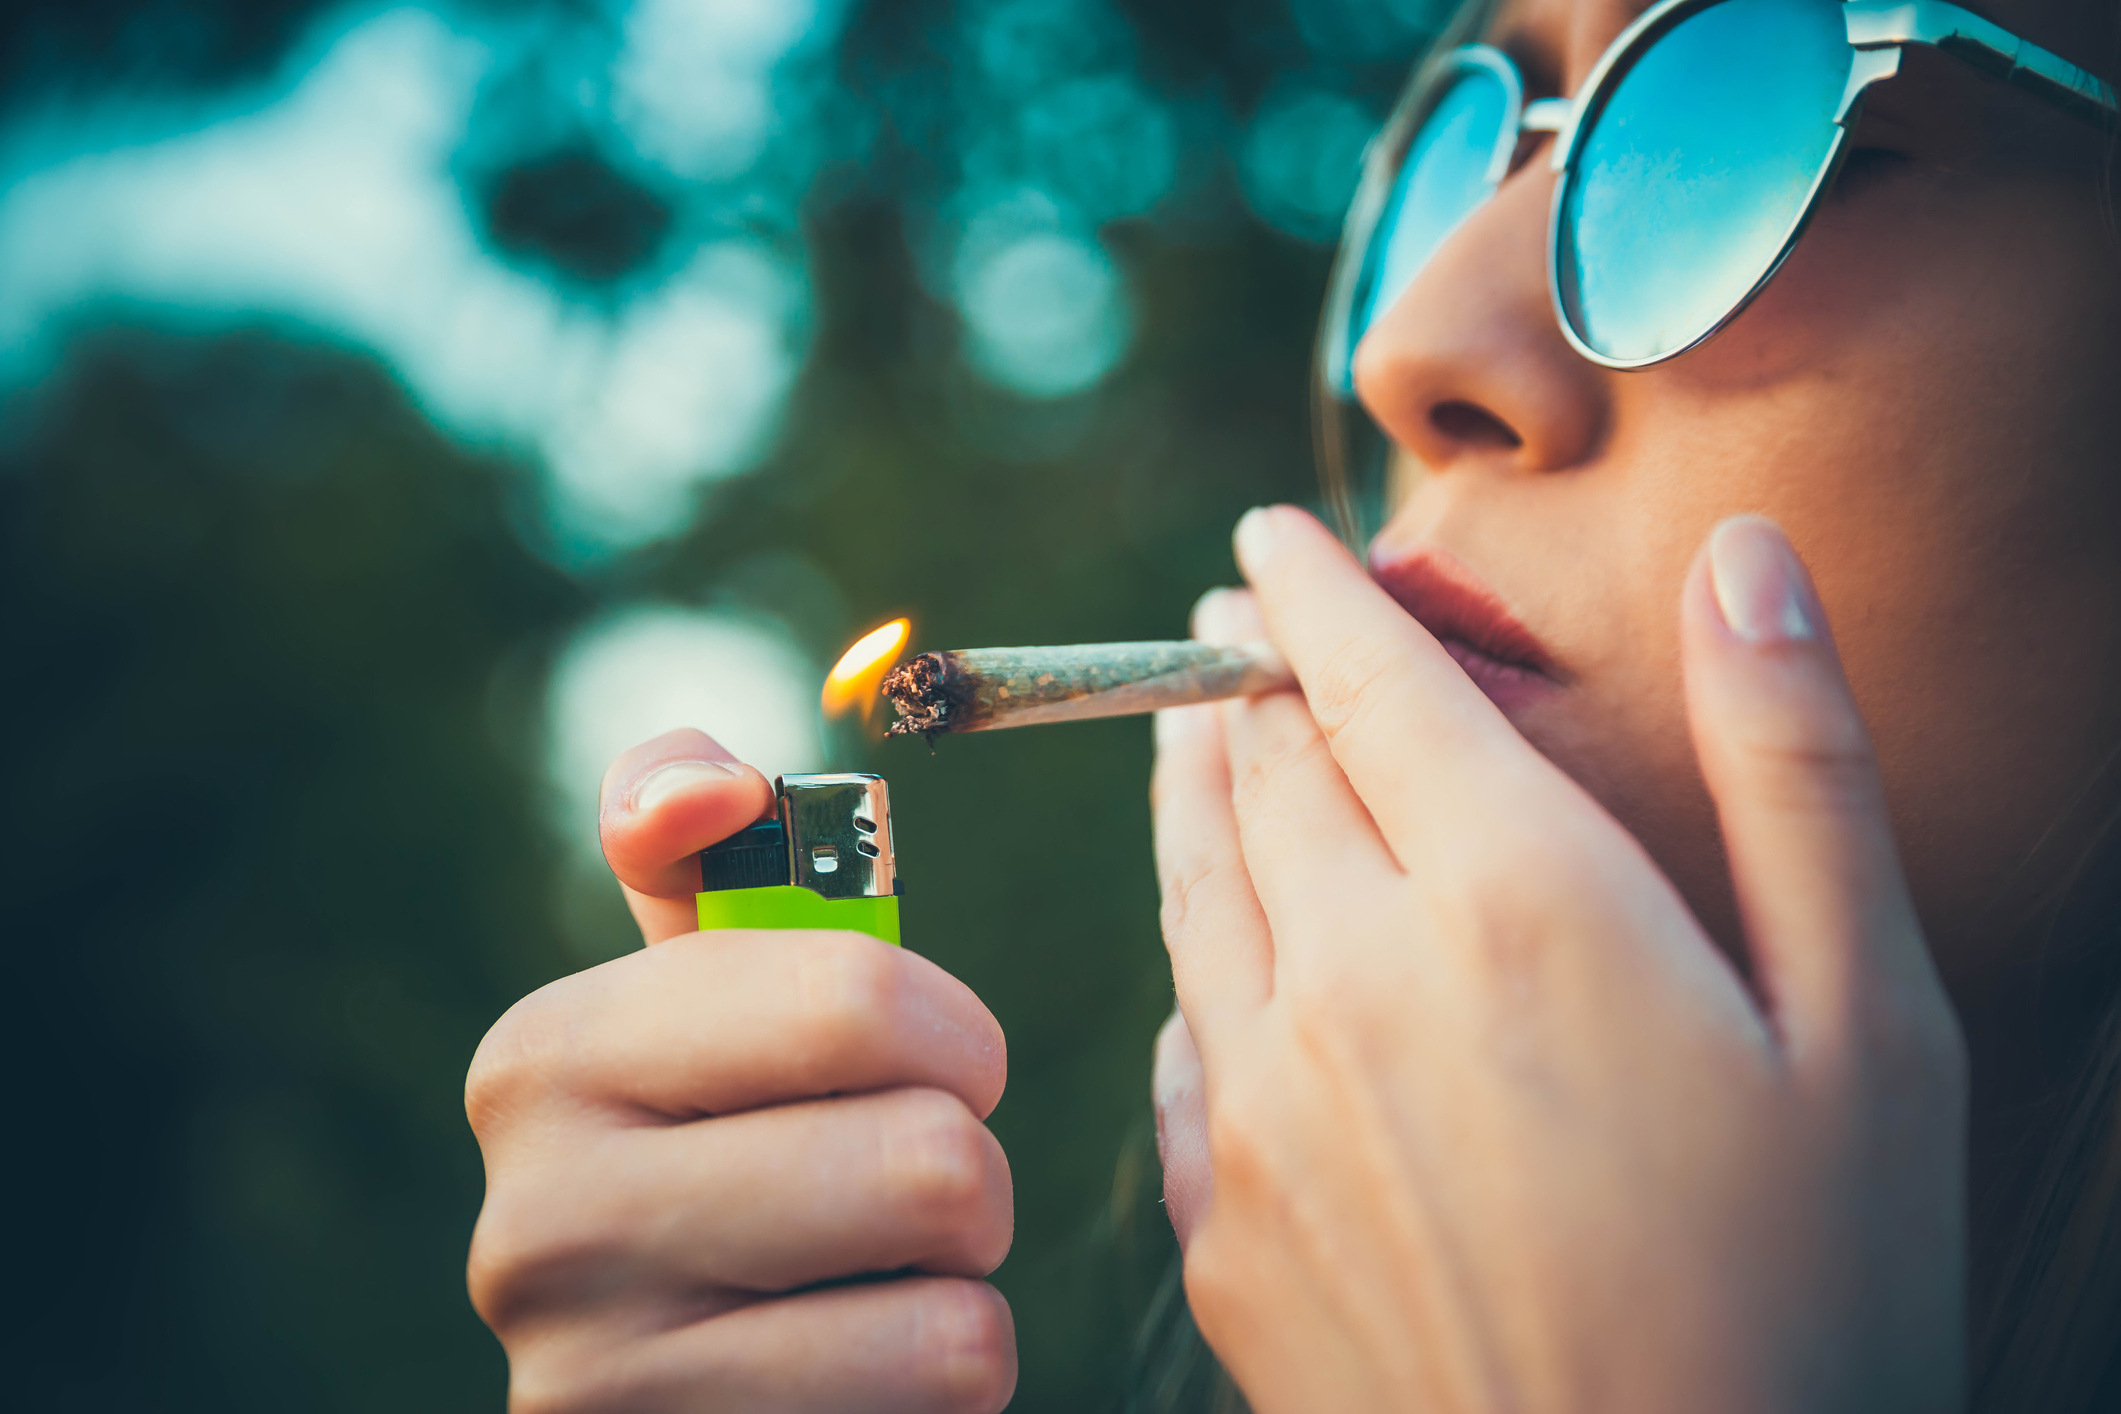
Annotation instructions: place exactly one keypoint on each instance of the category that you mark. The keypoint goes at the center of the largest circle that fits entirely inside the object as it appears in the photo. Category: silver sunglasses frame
(1382, 161)
(1879, 33)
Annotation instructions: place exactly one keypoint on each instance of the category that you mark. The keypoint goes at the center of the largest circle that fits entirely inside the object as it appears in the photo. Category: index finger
(1404, 721)
(1222, 955)
(733, 1020)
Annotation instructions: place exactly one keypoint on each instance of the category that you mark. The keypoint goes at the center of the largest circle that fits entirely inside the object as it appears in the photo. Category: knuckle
(1505, 909)
(486, 1280)
(1242, 1146)
(965, 1342)
(516, 1059)
(541, 1383)
(1327, 1018)
(1253, 784)
(534, 1387)
(936, 1161)
(1215, 1284)
(1824, 771)
(1185, 886)
(1498, 914)
(1347, 682)
(1317, 1011)
(494, 1274)
(848, 988)
(521, 1259)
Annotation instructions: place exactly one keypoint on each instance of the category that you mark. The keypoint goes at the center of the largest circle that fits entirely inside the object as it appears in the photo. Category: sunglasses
(1687, 167)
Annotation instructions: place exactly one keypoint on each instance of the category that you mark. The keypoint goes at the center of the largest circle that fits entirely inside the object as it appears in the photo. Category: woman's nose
(1468, 365)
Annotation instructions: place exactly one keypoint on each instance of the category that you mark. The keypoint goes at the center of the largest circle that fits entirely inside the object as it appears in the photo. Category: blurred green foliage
(279, 852)
(273, 869)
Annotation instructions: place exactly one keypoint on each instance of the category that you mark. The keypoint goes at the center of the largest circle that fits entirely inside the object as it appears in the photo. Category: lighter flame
(853, 681)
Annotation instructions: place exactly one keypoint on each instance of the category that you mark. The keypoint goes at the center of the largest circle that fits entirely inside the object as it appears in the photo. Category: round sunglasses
(1687, 166)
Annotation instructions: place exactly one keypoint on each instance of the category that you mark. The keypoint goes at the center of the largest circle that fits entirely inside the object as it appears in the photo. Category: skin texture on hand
(1491, 1122)
(690, 1149)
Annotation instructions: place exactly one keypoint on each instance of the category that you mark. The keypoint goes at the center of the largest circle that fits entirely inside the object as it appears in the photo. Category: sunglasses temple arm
(2064, 85)
(1886, 25)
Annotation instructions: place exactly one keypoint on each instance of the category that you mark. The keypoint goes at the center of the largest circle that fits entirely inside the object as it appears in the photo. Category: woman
(1664, 957)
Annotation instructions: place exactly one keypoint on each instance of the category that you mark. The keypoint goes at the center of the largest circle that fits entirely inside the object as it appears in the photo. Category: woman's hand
(1493, 1124)
(691, 1148)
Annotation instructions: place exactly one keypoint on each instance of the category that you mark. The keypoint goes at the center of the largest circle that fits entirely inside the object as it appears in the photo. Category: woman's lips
(1497, 651)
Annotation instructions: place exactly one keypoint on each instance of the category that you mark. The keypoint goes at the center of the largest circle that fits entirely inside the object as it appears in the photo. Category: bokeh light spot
(1302, 157)
(643, 671)
(1047, 313)
(1105, 143)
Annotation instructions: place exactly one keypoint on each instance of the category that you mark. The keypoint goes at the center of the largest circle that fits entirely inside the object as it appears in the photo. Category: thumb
(1835, 944)
(662, 803)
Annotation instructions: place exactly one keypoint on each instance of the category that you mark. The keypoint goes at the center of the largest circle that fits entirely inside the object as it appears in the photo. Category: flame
(854, 679)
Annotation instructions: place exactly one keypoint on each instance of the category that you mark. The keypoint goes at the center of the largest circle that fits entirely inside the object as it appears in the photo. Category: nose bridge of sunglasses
(1550, 116)
(1546, 115)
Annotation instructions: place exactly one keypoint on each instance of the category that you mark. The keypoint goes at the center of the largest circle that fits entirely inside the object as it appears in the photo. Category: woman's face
(1927, 397)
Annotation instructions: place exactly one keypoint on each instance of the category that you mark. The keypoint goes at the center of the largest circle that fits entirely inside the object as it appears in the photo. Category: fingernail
(1254, 535)
(1760, 588)
(667, 780)
(1216, 616)
(1176, 1070)
(1205, 608)
(1171, 726)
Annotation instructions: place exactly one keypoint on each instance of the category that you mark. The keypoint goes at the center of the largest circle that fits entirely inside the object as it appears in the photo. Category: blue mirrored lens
(1690, 180)
(1444, 177)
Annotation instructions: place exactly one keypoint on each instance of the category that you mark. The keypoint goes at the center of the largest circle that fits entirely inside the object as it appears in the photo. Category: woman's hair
(2049, 1338)
(2099, 22)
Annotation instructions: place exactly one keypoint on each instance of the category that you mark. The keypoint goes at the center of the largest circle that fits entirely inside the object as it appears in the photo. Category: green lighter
(824, 861)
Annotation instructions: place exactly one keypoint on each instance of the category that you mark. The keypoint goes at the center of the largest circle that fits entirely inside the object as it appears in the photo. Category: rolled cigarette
(985, 689)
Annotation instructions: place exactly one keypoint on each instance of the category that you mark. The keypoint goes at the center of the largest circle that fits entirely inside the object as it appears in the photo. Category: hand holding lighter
(823, 861)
